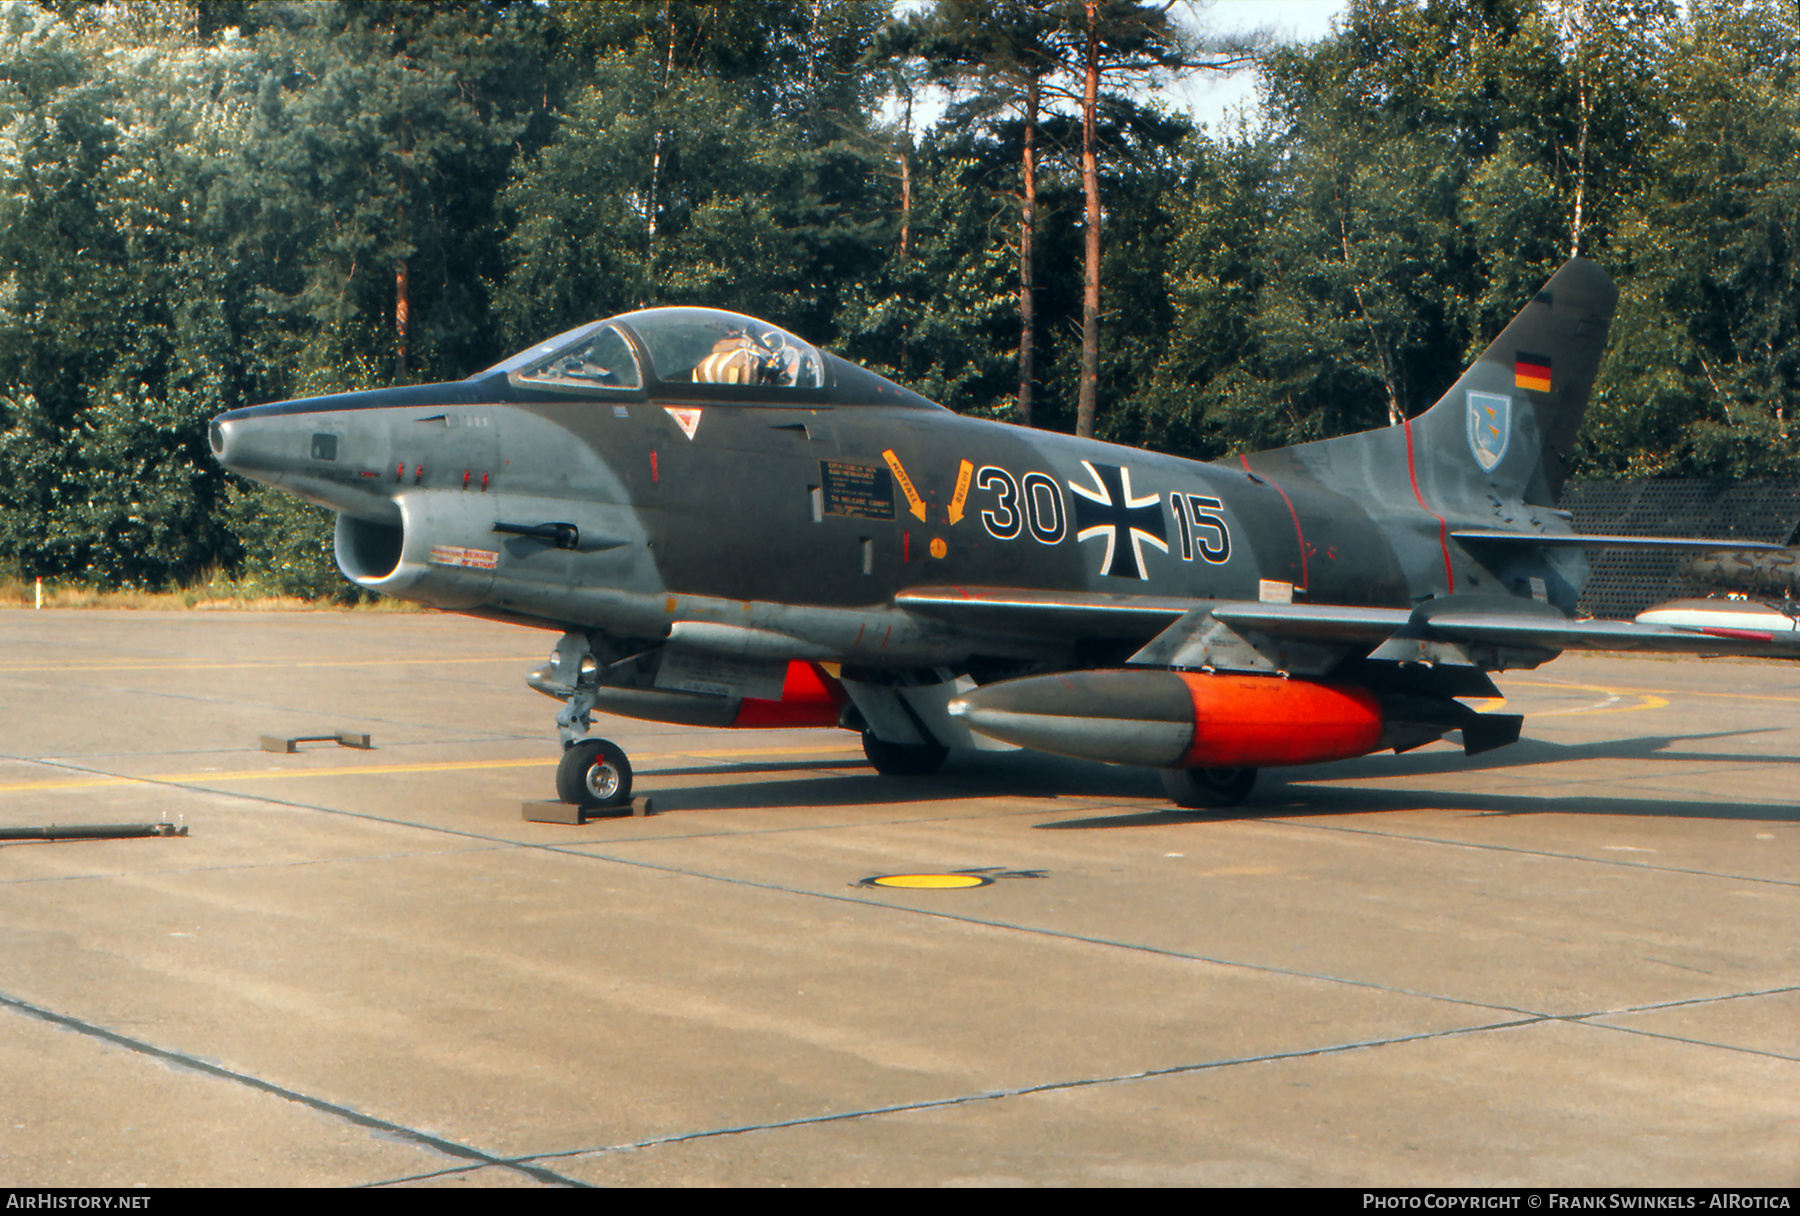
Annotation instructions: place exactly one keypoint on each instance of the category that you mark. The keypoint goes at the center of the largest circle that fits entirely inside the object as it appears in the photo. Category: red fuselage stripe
(1299, 536)
(1443, 528)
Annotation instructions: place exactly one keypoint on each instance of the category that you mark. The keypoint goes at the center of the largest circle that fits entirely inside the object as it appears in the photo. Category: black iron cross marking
(1112, 511)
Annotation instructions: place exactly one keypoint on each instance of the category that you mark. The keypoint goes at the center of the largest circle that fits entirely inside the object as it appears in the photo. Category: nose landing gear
(593, 773)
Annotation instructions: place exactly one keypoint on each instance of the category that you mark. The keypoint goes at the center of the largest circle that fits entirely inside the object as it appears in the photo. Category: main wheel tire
(594, 773)
(903, 759)
(1200, 789)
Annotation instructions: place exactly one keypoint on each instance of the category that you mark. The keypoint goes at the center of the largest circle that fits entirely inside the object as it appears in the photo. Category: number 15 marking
(1202, 525)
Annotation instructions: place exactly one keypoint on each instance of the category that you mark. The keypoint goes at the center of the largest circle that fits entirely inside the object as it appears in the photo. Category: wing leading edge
(1482, 621)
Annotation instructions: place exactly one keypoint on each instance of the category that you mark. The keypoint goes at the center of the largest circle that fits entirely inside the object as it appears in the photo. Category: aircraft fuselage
(731, 527)
(686, 503)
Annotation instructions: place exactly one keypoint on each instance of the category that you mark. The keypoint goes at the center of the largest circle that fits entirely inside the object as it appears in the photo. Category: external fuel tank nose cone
(1144, 696)
(1119, 717)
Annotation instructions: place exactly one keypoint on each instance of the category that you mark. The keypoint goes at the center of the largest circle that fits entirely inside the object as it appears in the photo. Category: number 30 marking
(1004, 522)
(1041, 506)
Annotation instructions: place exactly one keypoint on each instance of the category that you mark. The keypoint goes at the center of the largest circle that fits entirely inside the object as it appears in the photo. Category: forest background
(214, 204)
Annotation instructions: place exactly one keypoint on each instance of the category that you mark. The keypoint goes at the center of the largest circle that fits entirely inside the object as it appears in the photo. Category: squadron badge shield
(1490, 427)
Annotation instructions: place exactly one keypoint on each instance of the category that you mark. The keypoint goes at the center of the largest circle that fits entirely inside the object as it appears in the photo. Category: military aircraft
(730, 527)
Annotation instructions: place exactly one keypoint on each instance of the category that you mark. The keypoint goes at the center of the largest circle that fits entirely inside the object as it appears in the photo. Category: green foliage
(737, 167)
(1193, 398)
(209, 204)
(794, 61)
(287, 545)
(379, 138)
(1704, 378)
(191, 222)
(943, 320)
(709, 205)
(1367, 254)
(1425, 169)
(112, 352)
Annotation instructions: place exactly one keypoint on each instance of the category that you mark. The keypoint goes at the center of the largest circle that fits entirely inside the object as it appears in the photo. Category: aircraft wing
(1503, 625)
(1057, 614)
(1500, 629)
(1491, 632)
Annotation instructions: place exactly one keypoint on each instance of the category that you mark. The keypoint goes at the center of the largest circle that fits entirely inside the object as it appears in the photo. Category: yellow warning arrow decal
(963, 473)
(906, 486)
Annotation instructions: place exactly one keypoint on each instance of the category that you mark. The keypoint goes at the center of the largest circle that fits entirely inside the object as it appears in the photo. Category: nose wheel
(594, 773)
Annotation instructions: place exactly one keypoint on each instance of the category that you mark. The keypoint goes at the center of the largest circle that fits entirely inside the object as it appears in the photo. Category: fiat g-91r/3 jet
(730, 527)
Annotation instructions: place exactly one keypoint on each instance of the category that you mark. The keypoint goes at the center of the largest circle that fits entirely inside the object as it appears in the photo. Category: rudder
(1507, 426)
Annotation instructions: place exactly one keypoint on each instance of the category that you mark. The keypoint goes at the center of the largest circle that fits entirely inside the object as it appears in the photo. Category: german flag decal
(1532, 372)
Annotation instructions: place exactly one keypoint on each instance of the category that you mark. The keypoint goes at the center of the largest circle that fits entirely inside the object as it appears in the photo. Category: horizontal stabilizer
(1537, 540)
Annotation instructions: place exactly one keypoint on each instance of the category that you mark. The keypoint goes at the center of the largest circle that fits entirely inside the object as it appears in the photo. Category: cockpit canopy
(672, 346)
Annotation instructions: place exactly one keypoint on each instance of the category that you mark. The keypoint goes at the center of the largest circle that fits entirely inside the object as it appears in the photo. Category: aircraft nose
(231, 446)
(328, 457)
(253, 448)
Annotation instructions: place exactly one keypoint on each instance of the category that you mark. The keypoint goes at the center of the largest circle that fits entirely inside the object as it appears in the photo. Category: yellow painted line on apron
(445, 766)
(1646, 700)
(267, 774)
(258, 663)
(1668, 692)
(853, 749)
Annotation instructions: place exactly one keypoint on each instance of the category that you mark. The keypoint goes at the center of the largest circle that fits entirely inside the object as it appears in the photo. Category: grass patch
(218, 593)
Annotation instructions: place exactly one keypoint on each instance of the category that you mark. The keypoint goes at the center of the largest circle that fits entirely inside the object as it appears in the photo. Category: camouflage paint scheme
(728, 531)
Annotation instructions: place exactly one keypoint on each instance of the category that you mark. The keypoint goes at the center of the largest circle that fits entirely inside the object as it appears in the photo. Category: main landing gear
(1207, 789)
(903, 759)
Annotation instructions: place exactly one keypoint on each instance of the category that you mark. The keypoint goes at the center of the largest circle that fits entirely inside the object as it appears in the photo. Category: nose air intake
(367, 552)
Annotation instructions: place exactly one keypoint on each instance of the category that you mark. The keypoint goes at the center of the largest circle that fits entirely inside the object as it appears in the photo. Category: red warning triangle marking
(687, 419)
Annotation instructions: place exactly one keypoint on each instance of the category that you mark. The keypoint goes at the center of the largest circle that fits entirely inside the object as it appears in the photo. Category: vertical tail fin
(1505, 429)
(1507, 426)
(1502, 435)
